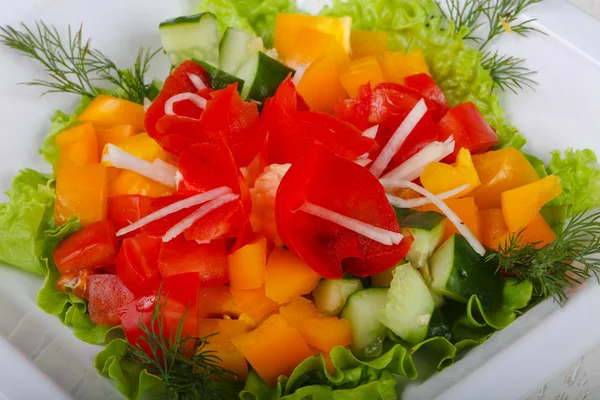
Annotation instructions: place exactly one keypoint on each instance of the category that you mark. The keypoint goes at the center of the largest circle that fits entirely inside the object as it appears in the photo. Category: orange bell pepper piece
(467, 211)
(129, 182)
(108, 110)
(77, 146)
(397, 66)
(438, 177)
(367, 43)
(537, 231)
(297, 310)
(115, 134)
(81, 191)
(521, 205)
(325, 333)
(254, 302)
(273, 349)
(499, 171)
(247, 265)
(287, 276)
(360, 72)
(320, 85)
(144, 147)
(312, 44)
(223, 330)
(217, 301)
(493, 227)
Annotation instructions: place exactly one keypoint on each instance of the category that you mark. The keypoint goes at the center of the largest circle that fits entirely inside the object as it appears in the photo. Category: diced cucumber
(438, 326)
(427, 229)
(262, 75)
(362, 311)
(331, 294)
(155, 89)
(409, 307)
(438, 299)
(219, 78)
(458, 272)
(191, 37)
(237, 46)
(384, 279)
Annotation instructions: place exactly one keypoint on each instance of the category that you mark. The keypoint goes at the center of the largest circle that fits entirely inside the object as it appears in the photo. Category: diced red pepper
(91, 247)
(137, 263)
(106, 295)
(209, 261)
(293, 132)
(75, 281)
(183, 288)
(469, 128)
(126, 209)
(342, 186)
(425, 85)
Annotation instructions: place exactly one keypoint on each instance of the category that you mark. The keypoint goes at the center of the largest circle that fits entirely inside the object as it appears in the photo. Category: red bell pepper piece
(469, 128)
(292, 132)
(126, 209)
(137, 263)
(344, 187)
(425, 85)
(106, 295)
(209, 260)
(91, 247)
(183, 288)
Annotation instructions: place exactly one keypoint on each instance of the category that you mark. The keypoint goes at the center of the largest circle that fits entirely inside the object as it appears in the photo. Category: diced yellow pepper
(144, 147)
(320, 85)
(368, 43)
(397, 66)
(438, 177)
(77, 146)
(110, 110)
(115, 134)
(81, 191)
(537, 231)
(129, 182)
(312, 45)
(360, 72)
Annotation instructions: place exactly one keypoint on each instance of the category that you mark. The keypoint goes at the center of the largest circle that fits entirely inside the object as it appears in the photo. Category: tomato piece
(424, 84)
(75, 281)
(209, 261)
(126, 209)
(293, 132)
(91, 247)
(344, 187)
(182, 288)
(106, 295)
(469, 128)
(137, 263)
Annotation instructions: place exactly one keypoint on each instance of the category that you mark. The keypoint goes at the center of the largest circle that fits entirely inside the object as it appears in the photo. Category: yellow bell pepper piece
(367, 43)
(129, 182)
(312, 45)
(493, 227)
(521, 205)
(438, 177)
(466, 210)
(397, 66)
(81, 191)
(115, 134)
(144, 147)
(77, 146)
(108, 110)
(360, 72)
(499, 171)
(537, 231)
(320, 85)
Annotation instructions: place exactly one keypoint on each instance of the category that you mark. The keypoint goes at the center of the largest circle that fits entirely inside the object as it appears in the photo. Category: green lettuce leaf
(580, 179)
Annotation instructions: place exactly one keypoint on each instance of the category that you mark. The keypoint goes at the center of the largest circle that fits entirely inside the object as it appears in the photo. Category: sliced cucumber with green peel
(427, 229)
(155, 89)
(458, 272)
(362, 311)
(191, 37)
(219, 78)
(410, 306)
(438, 326)
(236, 48)
(262, 76)
(331, 294)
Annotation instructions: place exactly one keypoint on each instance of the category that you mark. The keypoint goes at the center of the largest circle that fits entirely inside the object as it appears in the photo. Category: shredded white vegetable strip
(177, 206)
(204, 209)
(371, 132)
(363, 162)
(421, 201)
(413, 167)
(147, 103)
(398, 138)
(460, 226)
(298, 74)
(166, 166)
(157, 171)
(194, 98)
(196, 81)
(382, 236)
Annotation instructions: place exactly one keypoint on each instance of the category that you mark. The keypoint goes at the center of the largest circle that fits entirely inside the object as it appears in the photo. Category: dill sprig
(73, 65)
(188, 369)
(568, 261)
(508, 72)
(501, 16)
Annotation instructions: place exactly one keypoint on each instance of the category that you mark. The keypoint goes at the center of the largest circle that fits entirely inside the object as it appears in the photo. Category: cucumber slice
(262, 75)
(427, 229)
(438, 326)
(409, 307)
(362, 311)
(384, 279)
(331, 294)
(237, 46)
(155, 89)
(438, 299)
(219, 78)
(458, 272)
(195, 36)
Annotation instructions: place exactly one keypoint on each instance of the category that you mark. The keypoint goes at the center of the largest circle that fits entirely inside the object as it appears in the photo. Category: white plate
(563, 112)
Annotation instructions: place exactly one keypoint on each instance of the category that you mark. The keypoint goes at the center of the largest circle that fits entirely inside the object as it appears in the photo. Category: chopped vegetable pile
(294, 215)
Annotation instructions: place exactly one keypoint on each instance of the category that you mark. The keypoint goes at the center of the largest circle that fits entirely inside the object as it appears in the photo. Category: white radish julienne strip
(398, 138)
(298, 74)
(167, 167)
(204, 209)
(194, 98)
(197, 81)
(177, 206)
(460, 226)
(380, 235)
(413, 167)
(160, 172)
(371, 132)
(363, 162)
(147, 103)
(421, 201)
